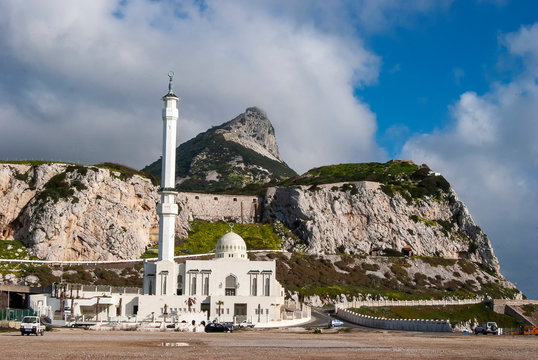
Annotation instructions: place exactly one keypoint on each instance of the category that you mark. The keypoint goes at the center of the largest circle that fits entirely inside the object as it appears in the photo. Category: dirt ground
(262, 344)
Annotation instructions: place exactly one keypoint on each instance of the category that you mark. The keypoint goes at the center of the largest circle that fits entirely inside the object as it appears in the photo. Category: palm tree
(220, 303)
(190, 302)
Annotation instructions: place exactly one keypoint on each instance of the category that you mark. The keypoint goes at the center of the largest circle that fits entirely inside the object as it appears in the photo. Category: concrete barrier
(395, 324)
(379, 303)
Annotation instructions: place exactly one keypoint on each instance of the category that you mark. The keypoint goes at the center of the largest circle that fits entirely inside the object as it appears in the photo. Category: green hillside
(220, 155)
(406, 178)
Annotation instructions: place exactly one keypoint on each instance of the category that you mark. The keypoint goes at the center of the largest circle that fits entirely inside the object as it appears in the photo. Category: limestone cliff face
(360, 217)
(18, 185)
(64, 212)
(253, 130)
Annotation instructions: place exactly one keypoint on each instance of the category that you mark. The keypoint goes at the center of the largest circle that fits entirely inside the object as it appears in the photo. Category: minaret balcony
(167, 209)
(170, 113)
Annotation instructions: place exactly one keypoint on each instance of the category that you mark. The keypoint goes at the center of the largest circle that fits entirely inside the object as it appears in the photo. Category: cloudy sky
(453, 84)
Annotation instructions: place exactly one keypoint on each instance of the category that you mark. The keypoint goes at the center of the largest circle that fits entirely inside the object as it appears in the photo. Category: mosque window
(164, 280)
(179, 285)
(193, 285)
(267, 286)
(206, 286)
(254, 285)
(231, 284)
(196, 197)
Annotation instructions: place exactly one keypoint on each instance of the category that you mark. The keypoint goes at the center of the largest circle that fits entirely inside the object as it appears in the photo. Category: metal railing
(16, 314)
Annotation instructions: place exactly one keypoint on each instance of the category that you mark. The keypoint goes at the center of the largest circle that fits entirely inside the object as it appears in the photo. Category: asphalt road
(321, 319)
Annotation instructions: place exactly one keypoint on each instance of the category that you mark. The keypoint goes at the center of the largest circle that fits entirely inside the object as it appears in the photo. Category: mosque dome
(231, 246)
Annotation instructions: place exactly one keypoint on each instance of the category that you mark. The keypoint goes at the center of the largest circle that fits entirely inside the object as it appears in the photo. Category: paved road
(321, 318)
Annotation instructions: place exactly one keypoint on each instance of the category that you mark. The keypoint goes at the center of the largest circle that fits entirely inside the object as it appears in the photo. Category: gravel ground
(259, 344)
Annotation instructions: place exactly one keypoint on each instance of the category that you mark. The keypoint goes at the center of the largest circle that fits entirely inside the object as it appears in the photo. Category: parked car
(32, 325)
(216, 327)
(336, 323)
(246, 324)
(486, 328)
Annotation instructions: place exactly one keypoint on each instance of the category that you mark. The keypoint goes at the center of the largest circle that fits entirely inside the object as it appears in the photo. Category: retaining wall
(395, 324)
(378, 303)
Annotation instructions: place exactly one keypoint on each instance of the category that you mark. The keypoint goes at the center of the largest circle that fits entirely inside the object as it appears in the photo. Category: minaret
(168, 208)
(160, 277)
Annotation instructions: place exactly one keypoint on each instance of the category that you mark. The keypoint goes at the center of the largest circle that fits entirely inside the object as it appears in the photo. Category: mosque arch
(230, 285)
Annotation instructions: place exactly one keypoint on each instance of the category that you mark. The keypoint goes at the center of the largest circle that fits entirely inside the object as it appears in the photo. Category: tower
(160, 277)
(168, 208)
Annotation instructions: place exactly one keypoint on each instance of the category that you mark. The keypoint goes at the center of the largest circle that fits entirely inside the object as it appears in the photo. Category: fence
(15, 314)
(97, 262)
(58, 288)
(395, 324)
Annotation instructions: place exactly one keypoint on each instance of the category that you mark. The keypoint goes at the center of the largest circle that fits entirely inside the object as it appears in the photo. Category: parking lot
(258, 344)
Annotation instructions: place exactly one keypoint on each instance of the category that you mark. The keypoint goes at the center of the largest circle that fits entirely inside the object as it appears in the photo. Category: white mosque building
(228, 288)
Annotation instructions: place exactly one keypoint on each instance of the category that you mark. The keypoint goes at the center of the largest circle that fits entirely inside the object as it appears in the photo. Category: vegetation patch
(59, 187)
(21, 177)
(467, 266)
(203, 237)
(314, 275)
(436, 261)
(529, 309)
(126, 172)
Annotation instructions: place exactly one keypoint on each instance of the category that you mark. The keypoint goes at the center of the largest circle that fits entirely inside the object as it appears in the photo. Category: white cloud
(490, 157)
(78, 76)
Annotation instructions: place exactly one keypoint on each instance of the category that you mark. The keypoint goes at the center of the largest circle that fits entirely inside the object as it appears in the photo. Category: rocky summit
(237, 153)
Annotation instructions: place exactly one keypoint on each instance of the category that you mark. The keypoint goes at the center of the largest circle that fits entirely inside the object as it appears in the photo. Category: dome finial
(231, 227)
(171, 82)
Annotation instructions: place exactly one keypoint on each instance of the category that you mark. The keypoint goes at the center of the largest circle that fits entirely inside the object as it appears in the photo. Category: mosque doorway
(240, 312)
(206, 307)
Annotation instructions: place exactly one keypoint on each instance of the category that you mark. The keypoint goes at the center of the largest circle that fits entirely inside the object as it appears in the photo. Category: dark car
(486, 328)
(216, 327)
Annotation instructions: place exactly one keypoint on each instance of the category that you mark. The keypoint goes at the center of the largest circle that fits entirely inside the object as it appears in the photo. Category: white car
(336, 322)
(246, 324)
(31, 325)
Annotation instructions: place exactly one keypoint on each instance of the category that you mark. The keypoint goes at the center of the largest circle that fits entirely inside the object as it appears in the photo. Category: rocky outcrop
(19, 183)
(238, 153)
(65, 212)
(359, 217)
(253, 130)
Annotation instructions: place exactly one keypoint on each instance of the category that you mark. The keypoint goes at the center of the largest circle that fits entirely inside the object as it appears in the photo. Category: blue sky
(430, 62)
(449, 83)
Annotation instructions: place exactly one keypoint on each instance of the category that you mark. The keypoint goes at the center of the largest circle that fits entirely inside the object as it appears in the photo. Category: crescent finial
(171, 82)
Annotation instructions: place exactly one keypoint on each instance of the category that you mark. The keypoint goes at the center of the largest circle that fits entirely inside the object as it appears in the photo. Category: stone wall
(212, 207)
